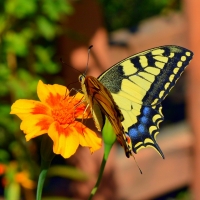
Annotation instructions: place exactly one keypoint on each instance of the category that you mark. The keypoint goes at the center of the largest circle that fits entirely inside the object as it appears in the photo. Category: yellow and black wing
(139, 84)
(102, 104)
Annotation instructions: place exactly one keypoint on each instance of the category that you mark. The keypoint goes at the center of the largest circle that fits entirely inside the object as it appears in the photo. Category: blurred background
(35, 34)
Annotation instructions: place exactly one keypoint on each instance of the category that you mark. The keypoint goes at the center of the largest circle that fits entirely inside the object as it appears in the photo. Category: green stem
(40, 185)
(107, 149)
(109, 138)
(47, 156)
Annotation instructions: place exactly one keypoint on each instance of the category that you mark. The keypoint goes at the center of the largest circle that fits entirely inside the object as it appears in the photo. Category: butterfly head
(81, 78)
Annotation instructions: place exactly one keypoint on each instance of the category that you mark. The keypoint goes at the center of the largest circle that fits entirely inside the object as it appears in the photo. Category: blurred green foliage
(28, 30)
(128, 13)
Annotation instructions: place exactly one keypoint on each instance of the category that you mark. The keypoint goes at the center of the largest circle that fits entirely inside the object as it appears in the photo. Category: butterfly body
(137, 85)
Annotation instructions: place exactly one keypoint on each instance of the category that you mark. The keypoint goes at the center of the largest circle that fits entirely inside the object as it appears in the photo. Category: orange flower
(23, 179)
(55, 114)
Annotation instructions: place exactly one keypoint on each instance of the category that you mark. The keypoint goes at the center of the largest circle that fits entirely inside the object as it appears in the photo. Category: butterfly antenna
(89, 48)
(63, 63)
(72, 83)
(136, 163)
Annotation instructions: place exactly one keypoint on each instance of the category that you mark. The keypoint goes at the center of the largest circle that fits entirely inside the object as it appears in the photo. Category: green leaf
(8, 131)
(48, 67)
(20, 8)
(6, 119)
(46, 27)
(49, 8)
(68, 172)
(5, 72)
(65, 7)
(4, 156)
(45, 64)
(54, 9)
(2, 22)
(12, 191)
(27, 34)
(16, 43)
(23, 85)
(4, 109)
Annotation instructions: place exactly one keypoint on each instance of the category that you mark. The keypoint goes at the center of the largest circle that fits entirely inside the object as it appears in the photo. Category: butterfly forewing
(100, 100)
(139, 84)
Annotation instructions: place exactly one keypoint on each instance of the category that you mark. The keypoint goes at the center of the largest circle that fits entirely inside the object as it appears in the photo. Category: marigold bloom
(55, 115)
(23, 179)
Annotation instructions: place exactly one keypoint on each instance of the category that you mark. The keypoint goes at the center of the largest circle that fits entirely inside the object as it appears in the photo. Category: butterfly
(130, 94)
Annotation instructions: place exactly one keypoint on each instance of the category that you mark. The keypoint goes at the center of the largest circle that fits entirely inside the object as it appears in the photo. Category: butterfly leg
(83, 101)
(85, 112)
(71, 90)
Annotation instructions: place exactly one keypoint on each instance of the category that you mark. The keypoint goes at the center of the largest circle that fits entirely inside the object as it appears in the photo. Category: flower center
(63, 112)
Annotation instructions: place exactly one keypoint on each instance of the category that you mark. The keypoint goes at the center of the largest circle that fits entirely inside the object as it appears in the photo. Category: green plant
(28, 30)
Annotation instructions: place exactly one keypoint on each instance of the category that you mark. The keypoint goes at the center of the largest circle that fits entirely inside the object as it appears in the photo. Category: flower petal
(88, 138)
(35, 125)
(80, 105)
(24, 107)
(66, 140)
(24, 180)
(51, 94)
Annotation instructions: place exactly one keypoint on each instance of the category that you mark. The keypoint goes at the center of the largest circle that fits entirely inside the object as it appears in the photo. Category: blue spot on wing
(146, 111)
(133, 132)
(139, 131)
(141, 128)
(144, 120)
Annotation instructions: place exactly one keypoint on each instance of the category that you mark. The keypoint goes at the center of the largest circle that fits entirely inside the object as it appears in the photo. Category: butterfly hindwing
(139, 84)
(144, 132)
